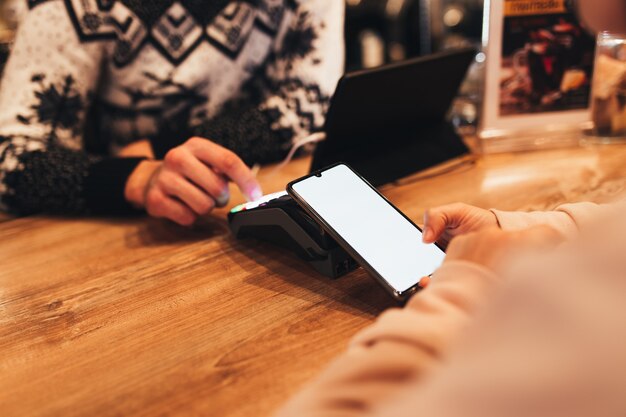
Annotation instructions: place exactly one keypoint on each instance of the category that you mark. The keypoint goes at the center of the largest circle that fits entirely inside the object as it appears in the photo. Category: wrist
(138, 181)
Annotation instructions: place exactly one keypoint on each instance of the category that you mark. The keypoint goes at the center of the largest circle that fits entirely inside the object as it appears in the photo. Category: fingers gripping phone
(371, 229)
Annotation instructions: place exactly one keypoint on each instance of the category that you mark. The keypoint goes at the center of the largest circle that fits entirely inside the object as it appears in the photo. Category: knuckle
(219, 182)
(457, 206)
(155, 213)
(206, 206)
(158, 201)
(215, 186)
(175, 158)
(218, 188)
(186, 219)
(461, 210)
(195, 142)
(154, 203)
(230, 161)
(164, 182)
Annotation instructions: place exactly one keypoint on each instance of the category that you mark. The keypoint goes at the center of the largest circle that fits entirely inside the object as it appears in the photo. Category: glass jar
(608, 95)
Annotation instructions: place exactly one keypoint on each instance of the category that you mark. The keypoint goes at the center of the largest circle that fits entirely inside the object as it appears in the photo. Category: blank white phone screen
(387, 241)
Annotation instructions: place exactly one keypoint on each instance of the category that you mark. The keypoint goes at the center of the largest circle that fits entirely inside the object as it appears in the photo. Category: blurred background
(377, 32)
(383, 31)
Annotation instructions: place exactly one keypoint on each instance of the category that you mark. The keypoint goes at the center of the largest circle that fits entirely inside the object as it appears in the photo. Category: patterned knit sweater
(87, 77)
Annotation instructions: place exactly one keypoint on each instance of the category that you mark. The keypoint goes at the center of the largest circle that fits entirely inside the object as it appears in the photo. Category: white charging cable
(312, 138)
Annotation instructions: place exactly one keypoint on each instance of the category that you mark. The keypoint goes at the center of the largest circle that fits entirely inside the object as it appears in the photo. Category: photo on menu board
(547, 58)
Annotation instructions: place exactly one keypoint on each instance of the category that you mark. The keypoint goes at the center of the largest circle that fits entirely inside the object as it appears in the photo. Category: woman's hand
(190, 182)
(443, 223)
(492, 247)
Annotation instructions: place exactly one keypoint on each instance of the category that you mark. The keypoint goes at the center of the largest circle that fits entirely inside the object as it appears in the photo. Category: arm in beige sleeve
(567, 218)
(403, 344)
(549, 342)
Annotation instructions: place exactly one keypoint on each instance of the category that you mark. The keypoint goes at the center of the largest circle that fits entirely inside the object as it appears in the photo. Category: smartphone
(373, 231)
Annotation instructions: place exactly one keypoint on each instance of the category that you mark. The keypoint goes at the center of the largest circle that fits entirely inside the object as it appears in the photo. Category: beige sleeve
(403, 344)
(567, 218)
(549, 342)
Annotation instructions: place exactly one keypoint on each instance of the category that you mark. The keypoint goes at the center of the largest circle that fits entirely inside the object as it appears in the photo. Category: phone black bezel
(400, 296)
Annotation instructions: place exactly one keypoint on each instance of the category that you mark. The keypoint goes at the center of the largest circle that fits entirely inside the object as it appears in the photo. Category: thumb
(434, 225)
(438, 219)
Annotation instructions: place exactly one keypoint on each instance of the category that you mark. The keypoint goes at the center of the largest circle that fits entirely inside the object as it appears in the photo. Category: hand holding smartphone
(371, 229)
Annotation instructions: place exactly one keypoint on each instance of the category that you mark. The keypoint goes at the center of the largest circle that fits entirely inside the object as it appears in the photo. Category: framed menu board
(539, 62)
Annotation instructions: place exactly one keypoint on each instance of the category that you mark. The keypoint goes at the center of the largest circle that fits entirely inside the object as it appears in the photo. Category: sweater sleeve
(45, 92)
(551, 342)
(567, 218)
(289, 99)
(403, 344)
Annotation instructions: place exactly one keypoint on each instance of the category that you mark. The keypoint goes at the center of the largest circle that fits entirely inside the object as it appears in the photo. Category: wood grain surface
(112, 317)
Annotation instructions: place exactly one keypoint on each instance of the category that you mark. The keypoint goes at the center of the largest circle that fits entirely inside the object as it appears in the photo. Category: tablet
(390, 122)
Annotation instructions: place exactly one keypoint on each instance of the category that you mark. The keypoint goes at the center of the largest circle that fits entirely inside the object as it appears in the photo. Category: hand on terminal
(190, 182)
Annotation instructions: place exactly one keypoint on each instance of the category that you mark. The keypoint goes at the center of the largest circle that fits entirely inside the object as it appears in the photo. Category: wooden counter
(111, 317)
